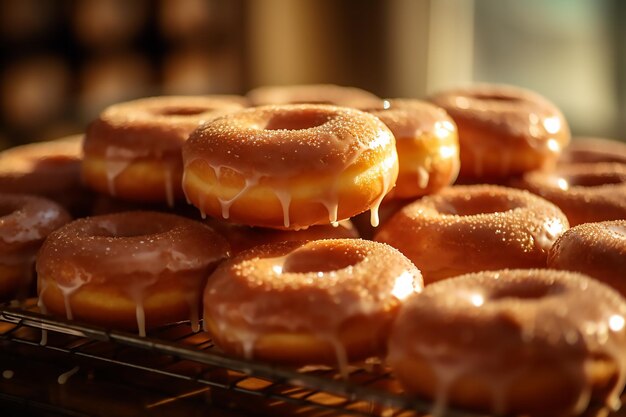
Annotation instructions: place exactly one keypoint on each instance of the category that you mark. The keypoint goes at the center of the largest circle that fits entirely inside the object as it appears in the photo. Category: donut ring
(290, 166)
(586, 150)
(427, 145)
(513, 342)
(474, 228)
(595, 249)
(321, 302)
(134, 270)
(25, 221)
(241, 237)
(44, 168)
(585, 192)
(313, 94)
(504, 130)
(133, 150)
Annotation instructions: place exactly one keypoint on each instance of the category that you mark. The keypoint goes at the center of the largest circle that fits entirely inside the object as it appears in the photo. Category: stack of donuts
(322, 226)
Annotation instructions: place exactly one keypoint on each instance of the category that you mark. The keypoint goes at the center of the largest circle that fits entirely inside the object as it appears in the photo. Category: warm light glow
(477, 300)
(562, 184)
(617, 232)
(403, 287)
(554, 228)
(553, 145)
(616, 322)
(383, 139)
(278, 269)
(552, 124)
(443, 129)
(447, 152)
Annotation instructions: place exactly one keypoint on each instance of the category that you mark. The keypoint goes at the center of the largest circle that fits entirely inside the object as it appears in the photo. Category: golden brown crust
(586, 193)
(536, 342)
(427, 145)
(128, 270)
(504, 130)
(317, 302)
(290, 166)
(133, 149)
(595, 249)
(474, 228)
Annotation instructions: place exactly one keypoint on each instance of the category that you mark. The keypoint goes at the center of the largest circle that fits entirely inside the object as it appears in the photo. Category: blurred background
(63, 61)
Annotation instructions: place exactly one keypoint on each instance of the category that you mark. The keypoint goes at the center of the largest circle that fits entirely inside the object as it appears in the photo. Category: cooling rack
(175, 354)
(176, 371)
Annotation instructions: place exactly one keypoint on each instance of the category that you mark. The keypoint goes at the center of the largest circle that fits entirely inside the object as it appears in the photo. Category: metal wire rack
(192, 366)
(175, 371)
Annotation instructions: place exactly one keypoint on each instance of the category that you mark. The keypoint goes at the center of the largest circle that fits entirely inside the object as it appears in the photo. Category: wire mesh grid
(175, 352)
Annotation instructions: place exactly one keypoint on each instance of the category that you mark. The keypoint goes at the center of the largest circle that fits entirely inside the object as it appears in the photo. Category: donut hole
(473, 205)
(592, 180)
(296, 120)
(496, 97)
(321, 258)
(525, 291)
(126, 228)
(7, 209)
(180, 111)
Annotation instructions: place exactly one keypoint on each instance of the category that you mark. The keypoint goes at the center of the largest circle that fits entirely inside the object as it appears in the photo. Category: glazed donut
(134, 270)
(513, 342)
(50, 169)
(25, 221)
(586, 193)
(474, 228)
(427, 145)
(320, 302)
(242, 237)
(313, 94)
(290, 166)
(504, 130)
(133, 150)
(595, 249)
(594, 150)
(44, 168)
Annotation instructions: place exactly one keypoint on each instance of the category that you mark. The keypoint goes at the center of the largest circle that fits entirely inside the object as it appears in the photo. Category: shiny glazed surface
(113, 269)
(590, 192)
(474, 228)
(427, 145)
(595, 249)
(541, 342)
(290, 166)
(263, 301)
(504, 130)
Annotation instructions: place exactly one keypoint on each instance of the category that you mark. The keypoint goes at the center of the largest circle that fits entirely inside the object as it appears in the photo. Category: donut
(594, 249)
(133, 150)
(583, 150)
(25, 221)
(290, 166)
(474, 228)
(591, 192)
(131, 271)
(513, 342)
(427, 145)
(321, 302)
(313, 94)
(504, 130)
(241, 237)
(50, 169)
